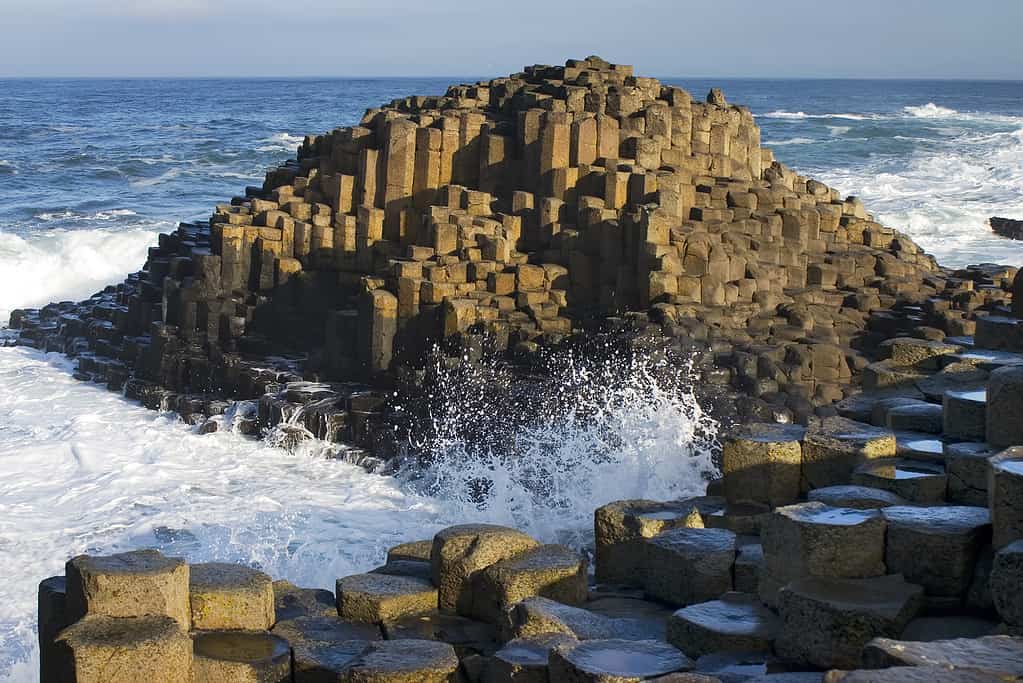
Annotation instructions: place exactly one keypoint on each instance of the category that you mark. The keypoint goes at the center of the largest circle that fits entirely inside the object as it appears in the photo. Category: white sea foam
(930, 111)
(69, 215)
(943, 197)
(82, 470)
(68, 264)
(793, 141)
(281, 142)
(797, 115)
(170, 174)
(7, 168)
(839, 131)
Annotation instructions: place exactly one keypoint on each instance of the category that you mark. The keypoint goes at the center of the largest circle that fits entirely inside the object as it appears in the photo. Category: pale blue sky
(773, 38)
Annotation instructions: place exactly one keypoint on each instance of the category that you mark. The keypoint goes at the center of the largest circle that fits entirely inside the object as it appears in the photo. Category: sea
(92, 170)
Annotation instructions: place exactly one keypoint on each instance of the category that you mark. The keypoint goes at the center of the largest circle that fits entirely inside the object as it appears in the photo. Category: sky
(723, 38)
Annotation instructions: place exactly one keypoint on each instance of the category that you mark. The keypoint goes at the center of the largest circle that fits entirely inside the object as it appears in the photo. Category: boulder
(101, 649)
(290, 601)
(814, 539)
(132, 584)
(550, 571)
(736, 622)
(1006, 583)
(230, 596)
(1007, 227)
(826, 622)
(373, 598)
(686, 566)
(835, 446)
(856, 497)
(615, 660)
(621, 526)
(1005, 491)
(524, 660)
(403, 661)
(240, 657)
(1001, 656)
(966, 465)
(915, 480)
(1004, 414)
(762, 463)
(460, 551)
(964, 414)
(936, 547)
(922, 354)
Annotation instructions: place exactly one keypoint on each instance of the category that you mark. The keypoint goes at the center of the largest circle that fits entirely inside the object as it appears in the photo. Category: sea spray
(541, 452)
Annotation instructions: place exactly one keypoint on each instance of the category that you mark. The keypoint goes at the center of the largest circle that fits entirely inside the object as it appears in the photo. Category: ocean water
(92, 170)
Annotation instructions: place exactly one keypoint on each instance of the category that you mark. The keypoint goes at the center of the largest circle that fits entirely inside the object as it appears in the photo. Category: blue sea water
(92, 170)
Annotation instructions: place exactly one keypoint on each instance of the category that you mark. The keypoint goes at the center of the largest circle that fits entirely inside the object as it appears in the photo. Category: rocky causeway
(867, 523)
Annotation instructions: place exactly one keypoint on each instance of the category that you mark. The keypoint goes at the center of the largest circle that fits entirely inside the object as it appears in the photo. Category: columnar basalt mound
(508, 215)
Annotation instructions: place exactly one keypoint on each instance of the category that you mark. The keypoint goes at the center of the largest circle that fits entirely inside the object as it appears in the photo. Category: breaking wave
(68, 264)
(281, 142)
(542, 457)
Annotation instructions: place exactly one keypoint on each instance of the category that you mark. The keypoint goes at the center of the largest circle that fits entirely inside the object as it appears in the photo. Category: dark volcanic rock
(1007, 227)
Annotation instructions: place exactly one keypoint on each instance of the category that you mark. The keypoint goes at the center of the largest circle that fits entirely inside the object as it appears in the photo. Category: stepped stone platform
(513, 215)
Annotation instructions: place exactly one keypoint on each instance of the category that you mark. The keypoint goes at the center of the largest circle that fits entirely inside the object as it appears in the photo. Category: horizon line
(98, 77)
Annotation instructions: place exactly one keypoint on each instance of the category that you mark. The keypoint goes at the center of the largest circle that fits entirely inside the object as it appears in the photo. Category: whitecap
(55, 265)
(930, 111)
(7, 168)
(281, 142)
(793, 141)
(162, 178)
(839, 131)
(803, 115)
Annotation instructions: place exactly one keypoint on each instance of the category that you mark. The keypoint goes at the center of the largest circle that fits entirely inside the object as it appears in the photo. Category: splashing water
(541, 456)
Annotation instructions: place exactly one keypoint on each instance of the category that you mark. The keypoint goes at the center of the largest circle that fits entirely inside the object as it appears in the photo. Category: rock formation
(1007, 227)
(508, 215)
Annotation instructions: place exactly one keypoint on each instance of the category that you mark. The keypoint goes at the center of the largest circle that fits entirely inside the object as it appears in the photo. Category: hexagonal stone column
(686, 566)
(1007, 583)
(814, 539)
(1000, 656)
(967, 468)
(737, 622)
(398, 661)
(620, 528)
(858, 497)
(459, 551)
(537, 616)
(290, 601)
(132, 584)
(324, 645)
(621, 661)
(834, 447)
(826, 622)
(100, 649)
(1005, 491)
(762, 463)
(936, 547)
(373, 598)
(964, 414)
(551, 571)
(240, 657)
(1004, 417)
(226, 596)
(524, 660)
(915, 480)
(52, 619)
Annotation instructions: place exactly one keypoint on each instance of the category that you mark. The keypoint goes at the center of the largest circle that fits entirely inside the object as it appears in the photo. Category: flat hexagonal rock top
(120, 632)
(695, 542)
(324, 629)
(941, 520)
(535, 616)
(912, 674)
(147, 561)
(769, 432)
(226, 576)
(1000, 655)
(290, 601)
(735, 614)
(534, 651)
(413, 550)
(625, 659)
(887, 596)
(858, 497)
(825, 515)
(428, 659)
(240, 646)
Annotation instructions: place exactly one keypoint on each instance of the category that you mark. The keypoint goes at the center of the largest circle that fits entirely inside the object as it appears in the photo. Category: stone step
(914, 480)
(623, 661)
(736, 622)
(223, 656)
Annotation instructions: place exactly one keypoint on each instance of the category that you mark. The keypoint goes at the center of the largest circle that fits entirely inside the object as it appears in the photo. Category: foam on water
(60, 264)
(83, 470)
(280, 142)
